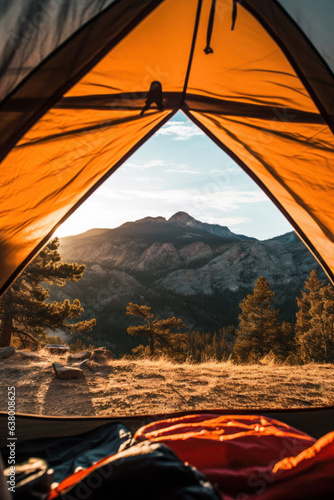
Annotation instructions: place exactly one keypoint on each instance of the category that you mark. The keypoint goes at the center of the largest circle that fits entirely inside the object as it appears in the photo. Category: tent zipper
(234, 13)
(208, 49)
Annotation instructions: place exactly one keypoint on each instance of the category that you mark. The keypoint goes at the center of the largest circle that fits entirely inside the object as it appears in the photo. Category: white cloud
(223, 200)
(156, 163)
(146, 165)
(174, 167)
(232, 168)
(225, 221)
(180, 131)
(184, 171)
(227, 200)
(105, 193)
(143, 178)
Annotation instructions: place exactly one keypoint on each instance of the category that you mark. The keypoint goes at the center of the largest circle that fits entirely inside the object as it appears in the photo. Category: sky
(180, 169)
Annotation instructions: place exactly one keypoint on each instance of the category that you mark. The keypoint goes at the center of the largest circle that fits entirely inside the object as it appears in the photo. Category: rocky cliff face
(157, 256)
(180, 266)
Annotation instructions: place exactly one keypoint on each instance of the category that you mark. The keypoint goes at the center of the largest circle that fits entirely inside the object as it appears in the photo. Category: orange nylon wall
(294, 160)
(63, 156)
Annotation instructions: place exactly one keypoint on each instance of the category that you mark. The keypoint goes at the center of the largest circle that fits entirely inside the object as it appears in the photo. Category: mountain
(180, 266)
(183, 219)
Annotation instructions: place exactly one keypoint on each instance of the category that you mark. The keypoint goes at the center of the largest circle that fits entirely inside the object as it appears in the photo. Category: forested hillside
(180, 267)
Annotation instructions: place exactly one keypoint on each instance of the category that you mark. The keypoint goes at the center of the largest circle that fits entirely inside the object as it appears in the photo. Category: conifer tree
(24, 312)
(285, 345)
(311, 295)
(258, 331)
(205, 346)
(215, 351)
(160, 333)
(316, 344)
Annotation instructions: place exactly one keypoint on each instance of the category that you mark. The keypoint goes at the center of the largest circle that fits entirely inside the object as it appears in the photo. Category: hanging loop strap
(208, 49)
(154, 96)
(234, 13)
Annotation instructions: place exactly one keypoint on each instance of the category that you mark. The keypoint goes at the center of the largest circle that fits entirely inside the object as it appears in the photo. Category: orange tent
(84, 84)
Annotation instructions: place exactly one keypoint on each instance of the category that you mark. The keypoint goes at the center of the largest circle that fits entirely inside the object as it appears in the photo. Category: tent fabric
(316, 20)
(313, 421)
(262, 91)
(250, 457)
(310, 67)
(55, 74)
(31, 30)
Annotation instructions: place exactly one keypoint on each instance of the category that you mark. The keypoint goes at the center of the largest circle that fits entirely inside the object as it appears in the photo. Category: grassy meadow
(128, 387)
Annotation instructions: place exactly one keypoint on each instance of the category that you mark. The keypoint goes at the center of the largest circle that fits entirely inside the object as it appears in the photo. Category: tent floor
(313, 421)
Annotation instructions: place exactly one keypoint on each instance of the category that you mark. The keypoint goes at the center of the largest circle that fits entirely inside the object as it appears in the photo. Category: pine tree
(310, 305)
(225, 351)
(215, 351)
(24, 311)
(258, 331)
(317, 343)
(205, 346)
(161, 334)
(310, 296)
(195, 346)
(285, 345)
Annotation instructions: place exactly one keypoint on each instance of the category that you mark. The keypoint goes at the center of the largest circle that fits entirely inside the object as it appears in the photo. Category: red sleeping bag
(250, 457)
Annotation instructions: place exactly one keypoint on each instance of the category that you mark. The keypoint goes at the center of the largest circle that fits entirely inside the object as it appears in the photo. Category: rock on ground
(67, 372)
(80, 356)
(57, 349)
(101, 355)
(7, 352)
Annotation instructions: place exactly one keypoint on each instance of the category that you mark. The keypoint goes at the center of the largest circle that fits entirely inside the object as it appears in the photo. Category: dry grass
(145, 386)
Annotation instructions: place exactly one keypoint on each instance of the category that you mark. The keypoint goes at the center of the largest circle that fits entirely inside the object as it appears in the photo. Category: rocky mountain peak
(150, 220)
(182, 218)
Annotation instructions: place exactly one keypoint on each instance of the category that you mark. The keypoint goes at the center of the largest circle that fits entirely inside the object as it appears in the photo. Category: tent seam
(192, 50)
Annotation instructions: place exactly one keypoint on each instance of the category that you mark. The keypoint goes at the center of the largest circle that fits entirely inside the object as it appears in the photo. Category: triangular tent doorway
(84, 84)
(87, 86)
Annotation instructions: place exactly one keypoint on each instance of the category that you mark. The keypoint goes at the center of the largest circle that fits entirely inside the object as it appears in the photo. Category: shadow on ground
(68, 397)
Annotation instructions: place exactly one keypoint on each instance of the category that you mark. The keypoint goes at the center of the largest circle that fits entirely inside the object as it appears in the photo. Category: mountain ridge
(179, 219)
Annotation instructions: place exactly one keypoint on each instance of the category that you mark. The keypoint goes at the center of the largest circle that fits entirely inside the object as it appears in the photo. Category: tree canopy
(259, 330)
(315, 321)
(163, 335)
(24, 310)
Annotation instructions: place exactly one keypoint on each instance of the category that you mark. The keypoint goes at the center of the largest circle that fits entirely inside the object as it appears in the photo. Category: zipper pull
(234, 13)
(208, 49)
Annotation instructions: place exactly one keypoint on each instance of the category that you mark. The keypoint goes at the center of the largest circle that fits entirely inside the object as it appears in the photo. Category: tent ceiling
(316, 21)
(249, 95)
(31, 30)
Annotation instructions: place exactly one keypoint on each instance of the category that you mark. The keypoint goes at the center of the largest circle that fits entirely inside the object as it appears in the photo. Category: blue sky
(180, 168)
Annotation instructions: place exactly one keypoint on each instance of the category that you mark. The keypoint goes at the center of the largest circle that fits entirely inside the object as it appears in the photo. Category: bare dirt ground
(138, 387)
